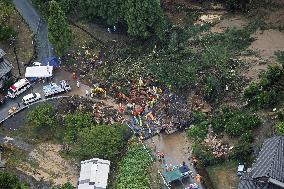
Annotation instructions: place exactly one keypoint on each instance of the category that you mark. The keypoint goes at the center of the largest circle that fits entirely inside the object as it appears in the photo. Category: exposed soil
(232, 21)
(23, 43)
(47, 164)
(266, 44)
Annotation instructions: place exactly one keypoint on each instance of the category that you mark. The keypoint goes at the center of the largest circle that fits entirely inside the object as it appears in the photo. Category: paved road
(38, 26)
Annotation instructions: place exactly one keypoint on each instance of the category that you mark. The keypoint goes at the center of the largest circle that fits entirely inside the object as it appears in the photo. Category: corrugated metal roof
(270, 162)
(2, 53)
(5, 67)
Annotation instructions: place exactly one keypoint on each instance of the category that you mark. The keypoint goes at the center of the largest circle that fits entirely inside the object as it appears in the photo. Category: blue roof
(52, 61)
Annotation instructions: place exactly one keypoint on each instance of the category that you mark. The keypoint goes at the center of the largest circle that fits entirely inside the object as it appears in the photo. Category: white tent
(39, 71)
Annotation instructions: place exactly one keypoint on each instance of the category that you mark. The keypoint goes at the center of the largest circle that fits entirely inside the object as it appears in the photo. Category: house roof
(94, 174)
(5, 67)
(270, 162)
(2, 53)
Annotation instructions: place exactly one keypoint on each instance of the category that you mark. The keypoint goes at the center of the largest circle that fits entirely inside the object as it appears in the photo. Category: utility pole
(13, 42)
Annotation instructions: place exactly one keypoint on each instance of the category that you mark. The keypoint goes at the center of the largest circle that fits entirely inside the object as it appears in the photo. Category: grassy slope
(224, 175)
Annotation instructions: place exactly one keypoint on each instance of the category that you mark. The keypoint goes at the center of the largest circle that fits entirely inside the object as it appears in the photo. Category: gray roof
(5, 67)
(2, 53)
(270, 162)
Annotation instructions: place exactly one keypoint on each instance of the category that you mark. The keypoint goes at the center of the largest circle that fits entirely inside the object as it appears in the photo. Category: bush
(280, 128)
(234, 122)
(280, 57)
(265, 93)
(102, 141)
(199, 131)
(247, 137)
(6, 32)
(242, 151)
(10, 181)
(199, 117)
(67, 185)
(203, 153)
(43, 120)
(74, 123)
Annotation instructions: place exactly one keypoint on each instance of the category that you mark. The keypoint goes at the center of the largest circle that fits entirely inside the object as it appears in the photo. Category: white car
(32, 97)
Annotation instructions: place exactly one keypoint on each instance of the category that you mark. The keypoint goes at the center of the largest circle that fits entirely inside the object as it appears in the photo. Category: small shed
(94, 174)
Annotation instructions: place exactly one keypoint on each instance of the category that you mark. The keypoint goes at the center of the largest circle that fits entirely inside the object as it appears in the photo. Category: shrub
(251, 91)
(203, 153)
(43, 120)
(198, 131)
(247, 137)
(10, 181)
(280, 57)
(280, 128)
(266, 99)
(6, 32)
(242, 151)
(234, 122)
(199, 117)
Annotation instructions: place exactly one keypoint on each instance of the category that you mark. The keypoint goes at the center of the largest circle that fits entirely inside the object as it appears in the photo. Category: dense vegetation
(142, 19)
(133, 169)
(10, 181)
(6, 30)
(267, 92)
(59, 32)
(78, 130)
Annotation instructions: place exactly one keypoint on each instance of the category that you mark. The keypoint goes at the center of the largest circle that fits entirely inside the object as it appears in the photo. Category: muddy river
(176, 148)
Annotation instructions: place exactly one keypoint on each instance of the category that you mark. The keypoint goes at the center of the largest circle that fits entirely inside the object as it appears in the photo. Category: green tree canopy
(42, 118)
(102, 141)
(59, 32)
(143, 17)
(74, 123)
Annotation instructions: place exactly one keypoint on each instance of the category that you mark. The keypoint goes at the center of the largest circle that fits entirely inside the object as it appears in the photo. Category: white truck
(53, 88)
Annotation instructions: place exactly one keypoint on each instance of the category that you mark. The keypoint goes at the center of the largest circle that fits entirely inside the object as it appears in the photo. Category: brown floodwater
(177, 148)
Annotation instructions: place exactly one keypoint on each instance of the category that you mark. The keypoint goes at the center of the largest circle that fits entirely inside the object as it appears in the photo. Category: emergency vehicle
(18, 88)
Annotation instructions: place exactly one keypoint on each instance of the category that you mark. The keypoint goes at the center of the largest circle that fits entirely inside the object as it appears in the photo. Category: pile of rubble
(219, 149)
(153, 110)
(102, 113)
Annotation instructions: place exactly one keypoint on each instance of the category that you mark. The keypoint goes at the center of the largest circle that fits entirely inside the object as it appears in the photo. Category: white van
(31, 98)
(19, 87)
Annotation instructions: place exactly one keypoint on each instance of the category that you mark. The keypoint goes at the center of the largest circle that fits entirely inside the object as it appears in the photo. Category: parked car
(241, 169)
(2, 98)
(32, 97)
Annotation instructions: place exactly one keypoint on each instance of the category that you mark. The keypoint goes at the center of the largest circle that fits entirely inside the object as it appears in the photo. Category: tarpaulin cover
(52, 61)
(184, 169)
(172, 175)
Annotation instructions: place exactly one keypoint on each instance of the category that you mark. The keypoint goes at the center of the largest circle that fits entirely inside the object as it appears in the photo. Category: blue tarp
(52, 61)
(184, 169)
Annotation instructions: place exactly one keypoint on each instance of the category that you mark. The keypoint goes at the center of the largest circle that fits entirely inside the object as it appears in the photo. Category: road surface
(38, 26)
